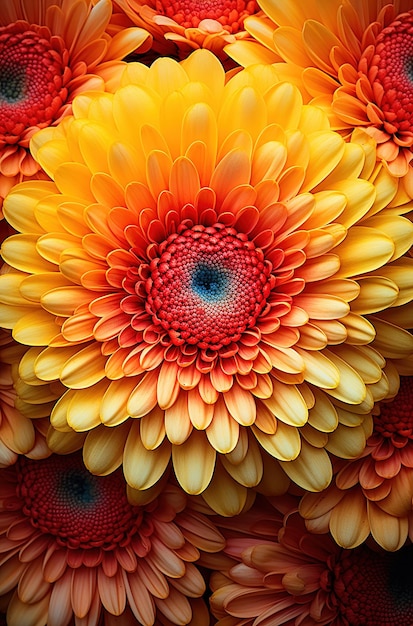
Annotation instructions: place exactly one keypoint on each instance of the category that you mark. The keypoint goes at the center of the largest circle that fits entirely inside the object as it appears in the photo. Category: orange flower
(211, 261)
(294, 578)
(354, 60)
(73, 546)
(375, 489)
(178, 28)
(49, 52)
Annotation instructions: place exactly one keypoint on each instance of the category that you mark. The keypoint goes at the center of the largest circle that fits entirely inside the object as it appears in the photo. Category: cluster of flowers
(206, 312)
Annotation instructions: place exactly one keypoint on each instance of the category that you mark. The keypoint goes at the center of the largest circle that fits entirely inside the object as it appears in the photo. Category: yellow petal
(103, 449)
(311, 470)
(142, 467)
(194, 463)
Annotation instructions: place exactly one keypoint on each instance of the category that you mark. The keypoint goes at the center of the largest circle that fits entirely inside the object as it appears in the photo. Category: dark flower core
(396, 417)
(393, 62)
(81, 510)
(375, 588)
(32, 77)
(188, 13)
(207, 286)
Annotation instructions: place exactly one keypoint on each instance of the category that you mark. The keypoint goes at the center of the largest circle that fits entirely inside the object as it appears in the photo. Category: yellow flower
(351, 58)
(50, 52)
(206, 261)
(376, 489)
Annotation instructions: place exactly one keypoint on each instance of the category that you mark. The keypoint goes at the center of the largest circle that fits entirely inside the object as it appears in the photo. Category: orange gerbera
(355, 59)
(374, 493)
(298, 579)
(73, 547)
(178, 28)
(49, 52)
(207, 262)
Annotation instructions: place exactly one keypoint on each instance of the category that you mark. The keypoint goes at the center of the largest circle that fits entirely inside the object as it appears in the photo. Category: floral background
(206, 305)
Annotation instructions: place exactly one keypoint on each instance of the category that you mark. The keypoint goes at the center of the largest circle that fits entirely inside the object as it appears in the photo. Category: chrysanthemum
(206, 262)
(355, 59)
(73, 546)
(300, 579)
(374, 493)
(178, 28)
(18, 433)
(49, 52)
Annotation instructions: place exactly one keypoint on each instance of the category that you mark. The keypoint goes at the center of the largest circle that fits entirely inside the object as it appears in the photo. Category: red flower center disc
(207, 286)
(375, 589)
(81, 510)
(394, 80)
(188, 13)
(32, 78)
(396, 417)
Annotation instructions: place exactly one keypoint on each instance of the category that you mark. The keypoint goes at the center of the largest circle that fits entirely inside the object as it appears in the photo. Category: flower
(296, 578)
(375, 489)
(49, 52)
(74, 547)
(354, 62)
(210, 260)
(18, 433)
(178, 28)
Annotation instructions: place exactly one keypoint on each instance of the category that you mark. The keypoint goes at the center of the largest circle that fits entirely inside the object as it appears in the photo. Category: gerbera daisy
(18, 433)
(178, 28)
(377, 488)
(355, 60)
(205, 262)
(73, 546)
(299, 579)
(49, 52)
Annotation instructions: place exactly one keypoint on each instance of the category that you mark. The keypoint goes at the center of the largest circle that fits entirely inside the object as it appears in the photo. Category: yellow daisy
(352, 57)
(204, 274)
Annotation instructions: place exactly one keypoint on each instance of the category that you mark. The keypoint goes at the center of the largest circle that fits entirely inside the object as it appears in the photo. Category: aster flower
(373, 493)
(18, 433)
(206, 261)
(49, 52)
(73, 547)
(178, 28)
(299, 579)
(354, 61)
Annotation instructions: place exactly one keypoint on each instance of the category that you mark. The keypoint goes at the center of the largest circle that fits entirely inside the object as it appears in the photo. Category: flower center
(396, 417)
(375, 589)
(31, 78)
(189, 13)
(81, 510)
(207, 286)
(394, 60)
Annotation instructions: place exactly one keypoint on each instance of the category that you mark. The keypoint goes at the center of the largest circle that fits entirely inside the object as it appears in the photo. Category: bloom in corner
(375, 489)
(354, 61)
(49, 52)
(297, 579)
(207, 260)
(18, 433)
(73, 547)
(178, 28)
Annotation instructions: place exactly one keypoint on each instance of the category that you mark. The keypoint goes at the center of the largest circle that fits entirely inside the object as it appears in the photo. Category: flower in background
(49, 52)
(295, 578)
(372, 494)
(205, 261)
(178, 28)
(354, 61)
(74, 547)
(18, 433)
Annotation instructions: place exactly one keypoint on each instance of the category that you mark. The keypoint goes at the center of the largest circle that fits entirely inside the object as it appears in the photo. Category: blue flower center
(210, 283)
(12, 84)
